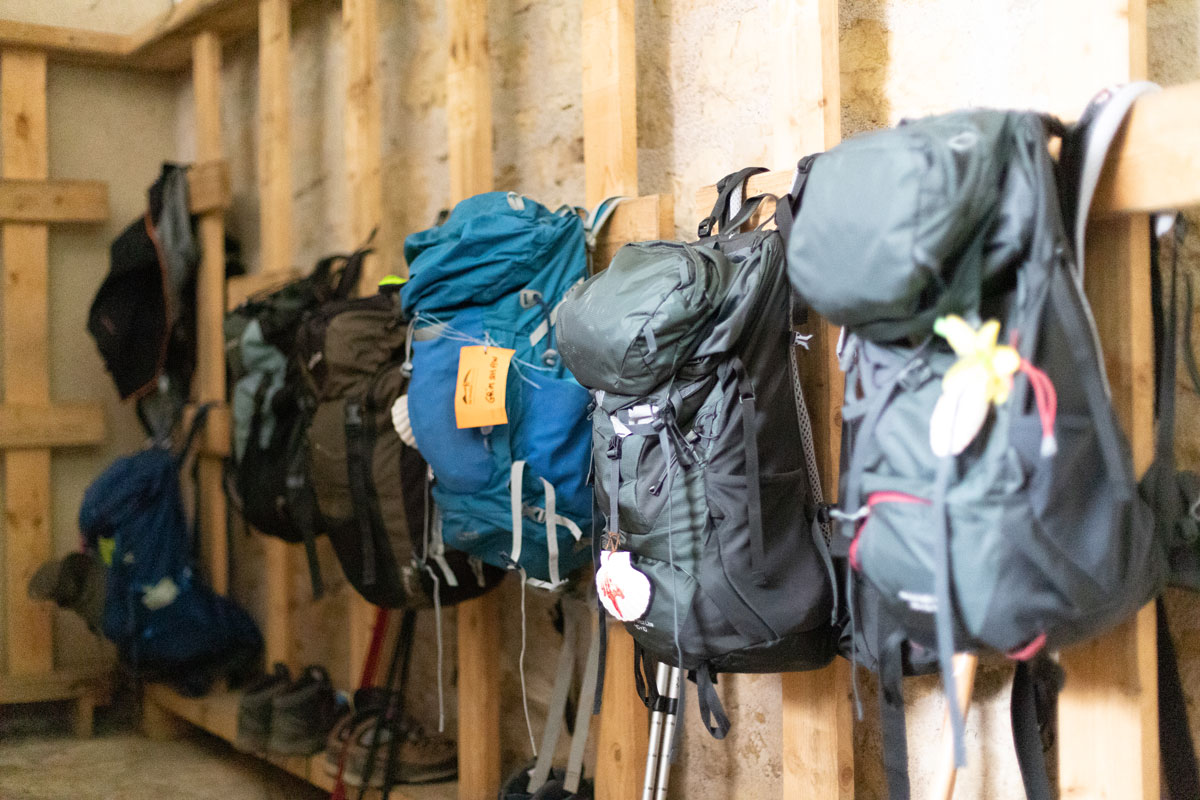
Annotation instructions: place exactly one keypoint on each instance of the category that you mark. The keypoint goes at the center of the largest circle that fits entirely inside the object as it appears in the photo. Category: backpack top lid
(491, 245)
(902, 226)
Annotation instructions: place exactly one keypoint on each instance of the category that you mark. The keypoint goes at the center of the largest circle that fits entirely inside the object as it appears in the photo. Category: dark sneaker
(254, 709)
(419, 758)
(302, 715)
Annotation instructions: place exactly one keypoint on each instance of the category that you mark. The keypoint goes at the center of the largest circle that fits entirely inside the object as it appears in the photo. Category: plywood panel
(23, 249)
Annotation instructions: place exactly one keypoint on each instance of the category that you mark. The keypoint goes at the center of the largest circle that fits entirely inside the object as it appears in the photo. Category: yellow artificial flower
(980, 359)
(981, 377)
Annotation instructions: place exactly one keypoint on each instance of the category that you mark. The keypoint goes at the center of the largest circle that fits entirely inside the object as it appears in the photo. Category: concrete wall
(704, 110)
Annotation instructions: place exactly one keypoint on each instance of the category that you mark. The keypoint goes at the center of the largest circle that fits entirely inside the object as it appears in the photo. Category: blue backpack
(166, 623)
(513, 495)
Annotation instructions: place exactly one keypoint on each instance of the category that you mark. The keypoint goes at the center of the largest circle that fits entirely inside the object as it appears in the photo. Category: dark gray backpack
(702, 451)
(1035, 533)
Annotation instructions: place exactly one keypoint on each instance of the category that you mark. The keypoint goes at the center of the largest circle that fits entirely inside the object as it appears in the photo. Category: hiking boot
(254, 709)
(368, 702)
(302, 715)
(419, 758)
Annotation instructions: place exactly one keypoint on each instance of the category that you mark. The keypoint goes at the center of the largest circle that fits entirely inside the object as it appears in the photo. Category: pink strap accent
(1030, 650)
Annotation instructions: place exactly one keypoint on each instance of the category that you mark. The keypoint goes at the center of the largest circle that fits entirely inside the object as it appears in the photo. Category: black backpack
(369, 485)
(266, 477)
(702, 454)
(989, 500)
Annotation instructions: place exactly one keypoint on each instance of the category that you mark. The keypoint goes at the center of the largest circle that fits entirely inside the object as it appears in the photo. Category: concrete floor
(40, 760)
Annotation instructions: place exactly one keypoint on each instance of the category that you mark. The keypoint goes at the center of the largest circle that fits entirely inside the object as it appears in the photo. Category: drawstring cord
(521, 667)
(1046, 399)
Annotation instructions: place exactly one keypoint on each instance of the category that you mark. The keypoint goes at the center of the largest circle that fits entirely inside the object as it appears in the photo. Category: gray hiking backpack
(702, 454)
(1002, 514)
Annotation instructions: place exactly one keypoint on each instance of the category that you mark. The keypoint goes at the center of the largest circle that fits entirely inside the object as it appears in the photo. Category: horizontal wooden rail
(67, 44)
(164, 43)
(1154, 165)
(95, 679)
(53, 201)
(1156, 160)
(209, 187)
(24, 426)
(635, 220)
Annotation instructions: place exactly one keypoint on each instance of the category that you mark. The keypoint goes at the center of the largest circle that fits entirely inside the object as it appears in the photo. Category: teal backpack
(514, 494)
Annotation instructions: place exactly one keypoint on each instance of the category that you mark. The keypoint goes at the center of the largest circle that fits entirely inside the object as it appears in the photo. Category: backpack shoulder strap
(1086, 149)
(730, 188)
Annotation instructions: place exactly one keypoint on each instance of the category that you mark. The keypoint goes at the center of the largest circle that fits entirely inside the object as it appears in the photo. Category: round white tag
(623, 589)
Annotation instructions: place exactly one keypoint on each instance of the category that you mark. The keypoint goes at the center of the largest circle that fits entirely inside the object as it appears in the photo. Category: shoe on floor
(254, 709)
(368, 702)
(302, 715)
(419, 758)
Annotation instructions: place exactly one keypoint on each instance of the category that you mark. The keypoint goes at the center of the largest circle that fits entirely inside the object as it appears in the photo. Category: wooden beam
(240, 288)
(91, 679)
(215, 440)
(1157, 162)
(53, 201)
(364, 142)
(1108, 709)
(210, 303)
(40, 427)
(469, 131)
(637, 220)
(468, 99)
(66, 44)
(25, 334)
(275, 216)
(165, 42)
(209, 187)
(818, 741)
(609, 99)
(610, 168)
(364, 133)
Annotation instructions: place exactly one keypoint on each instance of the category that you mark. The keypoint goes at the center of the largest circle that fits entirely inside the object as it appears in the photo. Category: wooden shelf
(216, 713)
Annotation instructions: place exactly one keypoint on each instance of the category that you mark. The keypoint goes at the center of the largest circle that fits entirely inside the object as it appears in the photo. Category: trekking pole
(395, 727)
(654, 751)
(964, 678)
(672, 712)
(386, 715)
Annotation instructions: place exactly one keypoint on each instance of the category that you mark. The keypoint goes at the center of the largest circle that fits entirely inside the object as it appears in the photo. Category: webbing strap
(558, 702)
(301, 503)
(891, 714)
(551, 532)
(582, 718)
(1027, 736)
(758, 557)
(1101, 132)
(515, 485)
(360, 444)
(789, 205)
(1178, 751)
(712, 713)
(614, 487)
(944, 613)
